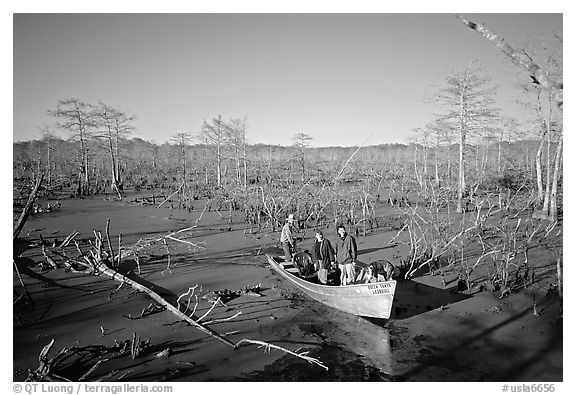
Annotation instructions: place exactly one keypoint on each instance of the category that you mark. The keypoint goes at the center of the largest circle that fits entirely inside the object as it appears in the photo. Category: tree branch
(520, 58)
(26, 212)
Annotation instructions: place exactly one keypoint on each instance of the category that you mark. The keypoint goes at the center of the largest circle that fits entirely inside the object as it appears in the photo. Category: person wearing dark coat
(346, 253)
(322, 256)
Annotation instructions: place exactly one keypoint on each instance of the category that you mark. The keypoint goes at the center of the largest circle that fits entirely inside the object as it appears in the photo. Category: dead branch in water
(203, 211)
(178, 190)
(169, 257)
(268, 346)
(139, 249)
(191, 292)
(27, 209)
(26, 293)
(109, 243)
(120, 252)
(99, 265)
(68, 239)
(48, 258)
(49, 367)
(44, 371)
(152, 308)
(97, 260)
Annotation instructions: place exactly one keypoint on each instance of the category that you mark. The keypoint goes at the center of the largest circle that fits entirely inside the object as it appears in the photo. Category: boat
(367, 300)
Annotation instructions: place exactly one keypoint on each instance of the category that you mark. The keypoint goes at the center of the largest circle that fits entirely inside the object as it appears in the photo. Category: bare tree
(440, 135)
(302, 143)
(182, 140)
(552, 210)
(236, 140)
(112, 125)
(468, 99)
(547, 117)
(215, 134)
(507, 132)
(74, 116)
(424, 138)
(48, 138)
(546, 80)
(123, 127)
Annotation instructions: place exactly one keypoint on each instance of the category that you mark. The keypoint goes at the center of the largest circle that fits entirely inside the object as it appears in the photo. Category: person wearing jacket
(346, 253)
(287, 239)
(322, 256)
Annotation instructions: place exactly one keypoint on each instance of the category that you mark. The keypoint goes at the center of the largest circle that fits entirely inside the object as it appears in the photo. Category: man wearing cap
(323, 256)
(287, 239)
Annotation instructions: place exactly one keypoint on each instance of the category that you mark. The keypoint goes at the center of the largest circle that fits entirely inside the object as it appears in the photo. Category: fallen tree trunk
(29, 205)
(95, 261)
(102, 268)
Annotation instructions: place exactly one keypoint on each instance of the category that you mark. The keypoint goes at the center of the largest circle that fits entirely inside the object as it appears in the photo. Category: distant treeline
(144, 164)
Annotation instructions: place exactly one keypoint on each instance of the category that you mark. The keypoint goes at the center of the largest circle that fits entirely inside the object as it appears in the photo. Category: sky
(340, 78)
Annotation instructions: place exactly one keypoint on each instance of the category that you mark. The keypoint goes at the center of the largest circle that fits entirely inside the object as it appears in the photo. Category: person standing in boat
(287, 238)
(322, 256)
(346, 253)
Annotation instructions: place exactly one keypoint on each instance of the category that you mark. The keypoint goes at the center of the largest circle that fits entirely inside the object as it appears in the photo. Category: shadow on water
(371, 250)
(413, 298)
(24, 265)
(471, 344)
(352, 351)
(344, 365)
